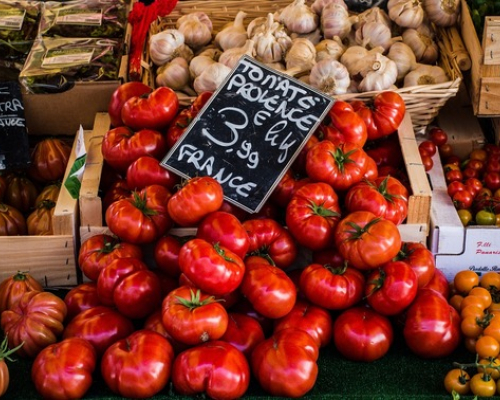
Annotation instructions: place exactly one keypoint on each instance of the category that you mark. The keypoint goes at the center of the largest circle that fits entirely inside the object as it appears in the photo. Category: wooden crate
(484, 82)
(415, 229)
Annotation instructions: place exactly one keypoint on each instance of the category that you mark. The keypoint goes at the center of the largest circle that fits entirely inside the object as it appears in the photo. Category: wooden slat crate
(415, 229)
(484, 83)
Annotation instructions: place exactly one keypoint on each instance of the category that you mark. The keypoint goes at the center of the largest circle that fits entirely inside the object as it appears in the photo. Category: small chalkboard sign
(14, 146)
(249, 132)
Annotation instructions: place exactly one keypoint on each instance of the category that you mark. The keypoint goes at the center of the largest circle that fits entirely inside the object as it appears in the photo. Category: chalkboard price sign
(14, 147)
(249, 132)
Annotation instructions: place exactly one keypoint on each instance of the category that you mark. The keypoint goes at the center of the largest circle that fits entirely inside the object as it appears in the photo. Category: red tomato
(386, 151)
(270, 291)
(128, 285)
(453, 175)
(367, 241)
(49, 160)
(312, 214)
(124, 92)
(299, 165)
(166, 254)
(243, 332)
(462, 200)
(439, 283)
(21, 193)
(143, 218)
(178, 125)
(224, 228)
(420, 259)
(196, 199)
(343, 125)
(372, 171)
(285, 364)
(362, 334)
(215, 368)
(382, 115)
(271, 240)
(438, 136)
(286, 187)
(193, 317)
(12, 222)
(122, 146)
(37, 320)
(154, 110)
(13, 288)
(138, 366)
(491, 180)
(427, 162)
(332, 287)
(427, 147)
(101, 326)
(314, 320)
(341, 166)
(81, 298)
(385, 197)
(99, 250)
(64, 370)
(146, 171)
(432, 326)
(154, 323)
(116, 191)
(391, 288)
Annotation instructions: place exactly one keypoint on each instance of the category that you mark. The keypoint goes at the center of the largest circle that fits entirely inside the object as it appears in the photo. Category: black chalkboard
(14, 146)
(249, 132)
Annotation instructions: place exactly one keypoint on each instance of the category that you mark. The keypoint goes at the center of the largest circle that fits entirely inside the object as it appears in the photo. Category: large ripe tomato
(99, 250)
(243, 332)
(382, 115)
(216, 368)
(341, 166)
(391, 288)
(124, 92)
(269, 289)
(271, 240)
(367, 241)
(227, 230)
(128, 285)
(122, 146)
(178, 126)
(285, 363)
(138, 366)
(385, 197)
(154, 110)
(49, 160)
(117, 190)
(12, 222)
(39, 222)
(21, 193)
(37, 320)
(146, 171)
(13, 288)
(197, 198)
(166, 254)
(439, 283)
(432, 326)
(143, 218)
(64, 370)
(343, 125)
(420, 259)
(101, 326)
(287, 186)
(211, 267)
(332, 287)
(315, 320)
(362, 334)
(386, 151)
(312, 214)
(193, 317)
(81, 298)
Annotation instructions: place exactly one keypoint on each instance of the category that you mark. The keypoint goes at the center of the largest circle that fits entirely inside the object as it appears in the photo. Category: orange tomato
(487, 347)
(490, 280)
(483, 293)
(465, 280)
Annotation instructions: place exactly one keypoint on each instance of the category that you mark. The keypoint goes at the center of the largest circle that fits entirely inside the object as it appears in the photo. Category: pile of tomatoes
(477, 299)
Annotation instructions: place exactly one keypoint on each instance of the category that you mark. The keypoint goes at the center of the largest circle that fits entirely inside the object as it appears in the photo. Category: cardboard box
(484, 80)
(456, 247)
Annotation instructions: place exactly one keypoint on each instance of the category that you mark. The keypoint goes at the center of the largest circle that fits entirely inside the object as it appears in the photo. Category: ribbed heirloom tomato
(13, 287)
(420, 259)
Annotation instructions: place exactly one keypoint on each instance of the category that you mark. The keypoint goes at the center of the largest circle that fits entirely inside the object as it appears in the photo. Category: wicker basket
(423, 102)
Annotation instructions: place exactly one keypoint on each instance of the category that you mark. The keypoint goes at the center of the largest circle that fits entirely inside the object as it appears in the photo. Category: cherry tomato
(485, 217)
(457, 380)
(465, 280)
(482, 385)
(438, 136)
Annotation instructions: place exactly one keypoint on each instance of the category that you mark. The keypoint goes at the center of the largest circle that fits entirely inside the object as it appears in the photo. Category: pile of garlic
(319, 42)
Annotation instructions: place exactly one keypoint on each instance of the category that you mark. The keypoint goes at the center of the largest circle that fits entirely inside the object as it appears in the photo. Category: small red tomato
(438, 136)
(427, 147)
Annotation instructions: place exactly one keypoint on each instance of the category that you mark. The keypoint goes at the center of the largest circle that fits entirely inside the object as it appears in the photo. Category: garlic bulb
(318, 5)
(185, 52)
(330, 76)
(373, 14)
(373, 34)
(196, 28)
(406, 13)
(272, 44)
(422, 43)
(231, 57)
(335, 21)
(163, 45)
(355, 58)
(329, 48)
(206, 58)
(403, 56)
(175, 75)
(442, 12)
(302, 55)
(314, 37)
(378, 75)
(211, 78)
(233, 34)
(298, 17)
(425, 74)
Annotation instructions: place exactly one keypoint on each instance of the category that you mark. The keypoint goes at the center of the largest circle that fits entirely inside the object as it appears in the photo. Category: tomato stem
(5, 353)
